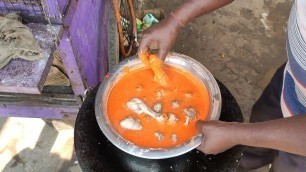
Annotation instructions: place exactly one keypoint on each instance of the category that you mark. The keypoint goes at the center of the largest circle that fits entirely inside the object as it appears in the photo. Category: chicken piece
(159, 136)
(175, 104)
(130, 123)
(160, 75)
(174, 138)
(144, 57)
(172, 119)
(158, 107)
(140, 107)
(190, 114)
(156, 64)
(134, 106)
(162, 118)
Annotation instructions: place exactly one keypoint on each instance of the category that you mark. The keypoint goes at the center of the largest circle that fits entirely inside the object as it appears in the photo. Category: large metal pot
(173, 59)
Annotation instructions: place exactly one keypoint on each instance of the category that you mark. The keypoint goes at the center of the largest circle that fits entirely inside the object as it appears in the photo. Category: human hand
(162, 35)
(218, 136)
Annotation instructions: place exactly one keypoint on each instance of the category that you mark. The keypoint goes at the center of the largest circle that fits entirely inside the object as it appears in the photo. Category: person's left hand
(218, 136)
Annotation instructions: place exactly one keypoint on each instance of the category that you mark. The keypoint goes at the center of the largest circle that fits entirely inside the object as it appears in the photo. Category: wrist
(236, 133)
(178, 21)
(173, 24)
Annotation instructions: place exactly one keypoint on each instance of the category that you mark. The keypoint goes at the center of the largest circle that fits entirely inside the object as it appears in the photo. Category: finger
(144, 44)
(202, 147)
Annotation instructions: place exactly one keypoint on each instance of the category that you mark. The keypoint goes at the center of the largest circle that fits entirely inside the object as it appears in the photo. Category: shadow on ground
(44, 147)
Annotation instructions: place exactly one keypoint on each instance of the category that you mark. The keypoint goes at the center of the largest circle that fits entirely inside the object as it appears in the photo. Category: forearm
(288, 134)
(191, 9)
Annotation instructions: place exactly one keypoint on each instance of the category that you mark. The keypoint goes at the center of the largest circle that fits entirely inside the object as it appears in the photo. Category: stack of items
(57, 75)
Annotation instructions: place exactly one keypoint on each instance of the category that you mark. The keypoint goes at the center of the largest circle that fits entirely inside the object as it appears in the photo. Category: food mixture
(155, 114)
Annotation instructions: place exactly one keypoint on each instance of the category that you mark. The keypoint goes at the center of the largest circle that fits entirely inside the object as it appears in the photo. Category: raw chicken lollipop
(131, 123)
(156, 64)
(138, 106)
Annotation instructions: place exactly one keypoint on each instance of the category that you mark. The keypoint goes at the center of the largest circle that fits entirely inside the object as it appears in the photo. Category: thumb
(202, 126)
(144, 44)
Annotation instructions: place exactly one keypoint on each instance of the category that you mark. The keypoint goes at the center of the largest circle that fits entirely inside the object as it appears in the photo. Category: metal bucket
(173, 59)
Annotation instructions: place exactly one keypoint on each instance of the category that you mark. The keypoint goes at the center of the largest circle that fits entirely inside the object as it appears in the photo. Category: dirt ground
(242, 45)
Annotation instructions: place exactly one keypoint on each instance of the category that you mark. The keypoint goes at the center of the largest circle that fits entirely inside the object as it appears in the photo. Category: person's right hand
(218, 136)
(162, 35)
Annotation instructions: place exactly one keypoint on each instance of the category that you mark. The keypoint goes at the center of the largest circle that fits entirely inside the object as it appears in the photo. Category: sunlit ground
(31, 144)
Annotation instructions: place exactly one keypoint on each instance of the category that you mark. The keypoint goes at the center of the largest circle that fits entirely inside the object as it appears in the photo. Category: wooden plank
(63, 5)
(47, 105)
(113, 39)
(21, 76)
(21, 7)
(70, 12)
(71, 65)
(46, 99)
(57, 89)
(53, 11)
(33, 11)
(38, 111)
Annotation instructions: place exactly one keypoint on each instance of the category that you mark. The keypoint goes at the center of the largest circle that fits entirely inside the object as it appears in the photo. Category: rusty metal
(125, 51)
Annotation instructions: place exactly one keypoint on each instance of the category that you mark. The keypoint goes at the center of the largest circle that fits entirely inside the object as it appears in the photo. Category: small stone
(222, 55)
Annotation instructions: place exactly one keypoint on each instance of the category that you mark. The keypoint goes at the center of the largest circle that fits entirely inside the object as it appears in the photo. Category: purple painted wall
(85, 31)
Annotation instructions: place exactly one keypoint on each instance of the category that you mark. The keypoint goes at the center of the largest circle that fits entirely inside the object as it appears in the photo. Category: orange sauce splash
(139, 84)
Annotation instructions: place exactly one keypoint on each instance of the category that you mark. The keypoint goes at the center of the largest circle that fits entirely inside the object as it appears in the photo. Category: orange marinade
(139, 83)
